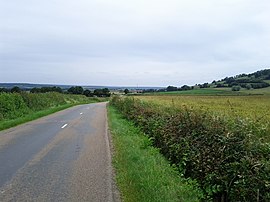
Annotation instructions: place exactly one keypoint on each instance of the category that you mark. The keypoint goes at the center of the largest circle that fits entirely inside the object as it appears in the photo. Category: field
(217, 91)
(253, 107)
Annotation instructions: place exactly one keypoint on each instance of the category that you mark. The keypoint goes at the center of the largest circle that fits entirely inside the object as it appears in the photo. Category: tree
(205, 85)
(35, 90)
(46, 89)
(171, 88)
(185, 87)
(15, 89)
(236, 88)
(87, 93)
(3, 90)
(126, 91)
(248, 86)
(76, 90)
(104, 92)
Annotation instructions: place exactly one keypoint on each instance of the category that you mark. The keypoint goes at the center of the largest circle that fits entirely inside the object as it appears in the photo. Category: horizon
(137, 86)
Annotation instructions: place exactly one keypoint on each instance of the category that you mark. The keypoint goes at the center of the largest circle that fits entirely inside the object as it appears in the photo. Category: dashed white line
(64, 126)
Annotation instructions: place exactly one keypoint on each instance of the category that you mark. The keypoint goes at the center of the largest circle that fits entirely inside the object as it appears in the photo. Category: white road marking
(81, 113)
(64, 126)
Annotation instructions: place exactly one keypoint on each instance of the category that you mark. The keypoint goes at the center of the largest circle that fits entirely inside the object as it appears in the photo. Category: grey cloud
(115, 42)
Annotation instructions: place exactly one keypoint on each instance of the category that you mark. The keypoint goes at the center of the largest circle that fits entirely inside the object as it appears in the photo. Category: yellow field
(254, 107)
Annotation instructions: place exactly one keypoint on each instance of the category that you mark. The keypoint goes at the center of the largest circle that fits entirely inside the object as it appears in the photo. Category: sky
(132, 43)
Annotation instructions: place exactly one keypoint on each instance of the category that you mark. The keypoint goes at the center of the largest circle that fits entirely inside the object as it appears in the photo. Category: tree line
(77, 90)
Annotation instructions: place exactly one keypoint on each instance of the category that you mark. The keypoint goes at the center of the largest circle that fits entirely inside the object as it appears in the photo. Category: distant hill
(256, 80)
(29, 86)
(257, 83)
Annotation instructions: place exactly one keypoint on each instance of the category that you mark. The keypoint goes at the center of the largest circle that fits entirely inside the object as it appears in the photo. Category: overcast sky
(130, 43)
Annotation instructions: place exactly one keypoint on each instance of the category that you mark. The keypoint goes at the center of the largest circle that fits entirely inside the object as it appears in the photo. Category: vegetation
(243, 83)
(255, 80)
(46, 90)
(143, 174)
(14, 106)
(227, 156)
(76, 90)
(256, 108)
(104, 92)
(126, 91)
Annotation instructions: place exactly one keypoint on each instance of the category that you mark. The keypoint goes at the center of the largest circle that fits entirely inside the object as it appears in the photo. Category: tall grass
(227, 156)
(253, 107)
(16, 108)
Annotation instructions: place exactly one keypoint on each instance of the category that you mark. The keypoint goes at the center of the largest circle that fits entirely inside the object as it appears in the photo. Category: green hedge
(14, 105)
(228, 157)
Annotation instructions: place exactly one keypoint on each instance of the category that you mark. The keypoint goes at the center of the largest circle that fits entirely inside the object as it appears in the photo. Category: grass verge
(35, 115)
(142, 173)
(32, 116)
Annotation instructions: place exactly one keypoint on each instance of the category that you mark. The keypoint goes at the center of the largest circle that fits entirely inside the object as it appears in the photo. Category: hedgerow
(228, 157)
(14, 105)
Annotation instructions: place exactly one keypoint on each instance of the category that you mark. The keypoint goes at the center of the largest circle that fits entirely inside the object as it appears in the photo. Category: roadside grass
(9, 123)
(142, 173)
(32, 116)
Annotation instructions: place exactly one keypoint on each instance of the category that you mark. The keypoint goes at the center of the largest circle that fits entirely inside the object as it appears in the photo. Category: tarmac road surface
(61, 157)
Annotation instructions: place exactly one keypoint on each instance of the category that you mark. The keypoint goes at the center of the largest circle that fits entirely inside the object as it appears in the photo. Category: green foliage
(87, 93)
(14, 105)
(236, 88)
(76, 90)
(171, 88)
(255, 80)
(126, 91)
(228, 157)
(46, 90)
(142, 173)
(104, 92)
(15, 89)
(3, 90)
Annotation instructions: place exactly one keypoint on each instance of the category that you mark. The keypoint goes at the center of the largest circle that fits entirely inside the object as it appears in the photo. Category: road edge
(114, 191)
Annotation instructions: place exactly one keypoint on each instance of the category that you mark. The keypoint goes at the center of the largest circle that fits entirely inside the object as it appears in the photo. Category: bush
(225, 156)
(236, 88)
(14, 105)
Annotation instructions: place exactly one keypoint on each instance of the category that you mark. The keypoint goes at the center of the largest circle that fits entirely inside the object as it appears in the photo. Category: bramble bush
(14, 105)
(228, 157)
(11, 106)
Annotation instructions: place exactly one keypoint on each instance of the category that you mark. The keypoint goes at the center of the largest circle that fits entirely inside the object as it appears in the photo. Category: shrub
(236, 88)
(13, 105)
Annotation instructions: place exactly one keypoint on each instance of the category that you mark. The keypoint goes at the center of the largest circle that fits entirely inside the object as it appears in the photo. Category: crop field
(252, 107)
(218, 91)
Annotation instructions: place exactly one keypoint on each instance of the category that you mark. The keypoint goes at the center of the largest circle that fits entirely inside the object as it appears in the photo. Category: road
(61, 157)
